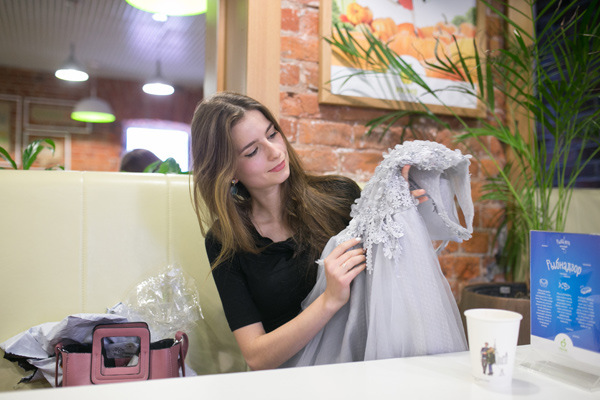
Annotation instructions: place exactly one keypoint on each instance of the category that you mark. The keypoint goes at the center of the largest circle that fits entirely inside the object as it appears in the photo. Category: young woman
(266, 222)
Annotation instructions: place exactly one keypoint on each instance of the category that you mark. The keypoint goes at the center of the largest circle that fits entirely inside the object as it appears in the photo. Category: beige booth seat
(78, 242)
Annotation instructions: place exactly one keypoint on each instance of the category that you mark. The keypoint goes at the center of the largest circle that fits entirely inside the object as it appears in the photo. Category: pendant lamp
(170, 7)
(157, 85)
(93, 109)
(71, 70)
(160, 17)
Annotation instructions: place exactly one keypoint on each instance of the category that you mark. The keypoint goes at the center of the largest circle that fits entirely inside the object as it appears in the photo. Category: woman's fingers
(342, 265)
(405, 171)
(351, 259)
(418, 194)
(343, 247)
(357, 269)
(343, 258)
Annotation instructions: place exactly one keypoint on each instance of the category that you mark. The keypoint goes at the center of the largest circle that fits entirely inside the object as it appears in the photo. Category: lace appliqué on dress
(388, 193)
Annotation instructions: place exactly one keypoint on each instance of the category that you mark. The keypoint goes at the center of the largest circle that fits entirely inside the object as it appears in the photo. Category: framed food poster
(416, 30)
(54, 115)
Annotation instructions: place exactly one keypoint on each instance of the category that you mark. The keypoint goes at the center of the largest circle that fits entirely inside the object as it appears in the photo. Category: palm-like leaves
(169, 166)
(7, 157)
(30, 153)
(551, 87)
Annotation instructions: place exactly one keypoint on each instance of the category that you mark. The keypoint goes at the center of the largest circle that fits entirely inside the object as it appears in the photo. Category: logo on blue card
(563, 243)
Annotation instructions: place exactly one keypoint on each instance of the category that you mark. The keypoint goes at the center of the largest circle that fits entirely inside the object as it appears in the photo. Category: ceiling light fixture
(157, 85)
(160, 17)
(71, 69)
(93, 109)
(170, 7)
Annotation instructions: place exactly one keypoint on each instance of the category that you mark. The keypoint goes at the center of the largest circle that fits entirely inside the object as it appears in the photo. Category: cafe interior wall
(331, 139)
(102, 148)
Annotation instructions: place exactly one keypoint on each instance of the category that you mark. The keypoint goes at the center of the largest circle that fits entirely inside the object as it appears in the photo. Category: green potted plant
(30, 154)
(169, 166)
(556, 101)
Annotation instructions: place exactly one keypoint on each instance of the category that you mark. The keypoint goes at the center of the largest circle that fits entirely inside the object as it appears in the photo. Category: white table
(445, 376)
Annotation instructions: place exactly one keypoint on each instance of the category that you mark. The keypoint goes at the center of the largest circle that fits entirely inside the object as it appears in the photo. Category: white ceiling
(112, 39)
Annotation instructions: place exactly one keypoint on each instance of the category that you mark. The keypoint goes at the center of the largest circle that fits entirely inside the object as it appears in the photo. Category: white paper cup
(493, 336)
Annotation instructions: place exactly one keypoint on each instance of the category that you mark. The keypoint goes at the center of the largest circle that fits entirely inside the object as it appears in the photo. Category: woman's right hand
(342, 265)
(269, 350)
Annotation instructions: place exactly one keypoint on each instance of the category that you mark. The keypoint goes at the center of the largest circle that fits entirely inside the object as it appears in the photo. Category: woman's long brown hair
(315, 207)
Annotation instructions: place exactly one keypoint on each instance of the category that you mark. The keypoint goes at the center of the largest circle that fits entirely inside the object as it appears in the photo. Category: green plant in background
(30, 154)
(550, 81)
(169, 166)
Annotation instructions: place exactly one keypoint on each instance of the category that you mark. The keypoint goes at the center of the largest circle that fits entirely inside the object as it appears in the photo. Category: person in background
(266, 223)
(137, 160)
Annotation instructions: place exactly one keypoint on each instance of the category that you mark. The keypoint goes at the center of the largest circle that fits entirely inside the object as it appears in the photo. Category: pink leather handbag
(121, 353)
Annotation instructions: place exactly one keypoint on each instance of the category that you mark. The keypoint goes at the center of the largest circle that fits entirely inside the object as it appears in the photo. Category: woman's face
(262, 159)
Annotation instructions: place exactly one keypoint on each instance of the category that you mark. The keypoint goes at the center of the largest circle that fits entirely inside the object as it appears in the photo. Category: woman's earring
(234, 190)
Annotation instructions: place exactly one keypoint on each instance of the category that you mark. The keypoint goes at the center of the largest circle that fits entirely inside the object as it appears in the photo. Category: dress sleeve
(232, 285)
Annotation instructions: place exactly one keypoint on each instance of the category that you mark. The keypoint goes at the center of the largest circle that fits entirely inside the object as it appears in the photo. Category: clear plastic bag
(168, 302)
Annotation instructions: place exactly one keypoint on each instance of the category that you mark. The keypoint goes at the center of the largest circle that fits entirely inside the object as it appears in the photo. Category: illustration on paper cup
(490, 360)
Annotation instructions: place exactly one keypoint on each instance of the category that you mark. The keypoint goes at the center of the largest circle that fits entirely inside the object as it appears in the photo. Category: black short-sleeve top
(267, 287)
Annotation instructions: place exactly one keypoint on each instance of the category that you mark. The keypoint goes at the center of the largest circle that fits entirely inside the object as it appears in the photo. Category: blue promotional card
(565, 295)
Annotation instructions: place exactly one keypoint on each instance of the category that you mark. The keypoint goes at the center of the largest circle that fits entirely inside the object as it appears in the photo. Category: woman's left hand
(419, 194)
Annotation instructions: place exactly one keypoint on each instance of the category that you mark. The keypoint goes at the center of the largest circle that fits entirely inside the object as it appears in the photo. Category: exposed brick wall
(102, 149)
(331, 139)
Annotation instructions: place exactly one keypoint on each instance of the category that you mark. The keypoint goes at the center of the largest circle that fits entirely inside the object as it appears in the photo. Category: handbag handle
(183, 349)
(103, 374)
(58, 354)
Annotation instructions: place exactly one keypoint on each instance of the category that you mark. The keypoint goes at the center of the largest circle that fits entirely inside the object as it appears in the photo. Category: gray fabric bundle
(401, 305)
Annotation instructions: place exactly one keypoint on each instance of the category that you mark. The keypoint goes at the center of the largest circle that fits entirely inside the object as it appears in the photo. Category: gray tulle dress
(402, 305)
